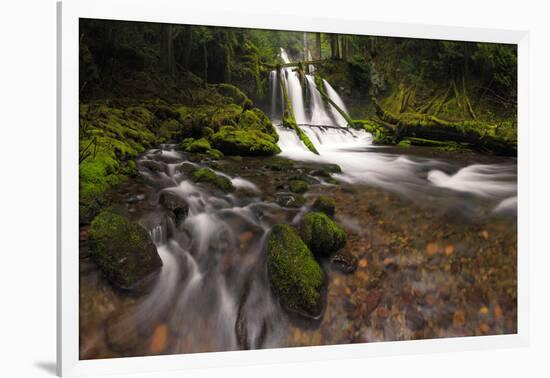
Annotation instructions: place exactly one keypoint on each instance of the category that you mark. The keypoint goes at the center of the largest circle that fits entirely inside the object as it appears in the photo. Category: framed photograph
(254, 188)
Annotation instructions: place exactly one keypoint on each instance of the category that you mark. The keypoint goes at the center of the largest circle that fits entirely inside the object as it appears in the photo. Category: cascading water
(362, 162)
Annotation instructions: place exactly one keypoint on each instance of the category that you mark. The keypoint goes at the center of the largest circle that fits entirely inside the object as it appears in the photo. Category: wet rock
(344, 262)
(296, 278)
(414, 319)
(123, 251)
(175, 204)
(325, 204)
(208, 176)
(151, 165)
(321, 234)
(291, 200)
(186, 168)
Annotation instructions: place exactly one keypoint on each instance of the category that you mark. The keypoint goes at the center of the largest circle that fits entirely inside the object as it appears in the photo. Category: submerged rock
(175, 204)
(296, 278)
(344, 262)
(325, 204)
(321, 234)
(123, 251)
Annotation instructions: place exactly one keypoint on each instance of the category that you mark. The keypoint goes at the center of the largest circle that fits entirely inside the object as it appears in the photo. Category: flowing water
(434, 234)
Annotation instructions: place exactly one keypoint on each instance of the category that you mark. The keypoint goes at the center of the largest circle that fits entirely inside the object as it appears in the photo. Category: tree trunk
(318, 45)
(205, 63)
(167, 50)
(188, 45)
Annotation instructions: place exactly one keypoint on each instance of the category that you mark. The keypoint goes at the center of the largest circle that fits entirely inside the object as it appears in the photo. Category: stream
(433, 233)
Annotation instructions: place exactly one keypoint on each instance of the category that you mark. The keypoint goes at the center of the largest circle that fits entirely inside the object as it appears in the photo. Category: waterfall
(319, 114)
(294, 87)
(333, 95)
(319, 120)
(273, 85)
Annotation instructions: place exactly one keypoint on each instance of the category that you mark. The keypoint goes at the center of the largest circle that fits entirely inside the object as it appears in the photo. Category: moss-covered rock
(200, 145)
(325, 204)
(206, 175)
(123, 250)
(247, 143)
(186, 167)
(298, 186)
(296, 278)
(321, 234)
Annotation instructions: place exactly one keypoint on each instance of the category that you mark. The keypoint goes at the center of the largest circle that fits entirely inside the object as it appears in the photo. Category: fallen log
(479, 135)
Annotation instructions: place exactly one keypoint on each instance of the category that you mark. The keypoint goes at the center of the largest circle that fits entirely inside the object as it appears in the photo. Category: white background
(27, 186)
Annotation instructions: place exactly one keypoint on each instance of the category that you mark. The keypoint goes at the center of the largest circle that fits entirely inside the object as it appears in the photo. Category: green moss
(321, 234)
(296, 278)
(255, 119)
(200, 145)
(231, 91)
(248, 143)
(206, 175)
(325, 204)
(298, 186)
(404, 143)
(186, 142)
(215, 154)
(123, 250)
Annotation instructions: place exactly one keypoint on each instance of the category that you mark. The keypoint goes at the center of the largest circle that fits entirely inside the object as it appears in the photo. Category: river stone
(325, 204)
(123, 251)
(321, 234)
(296, 278)
(344, 262)
(175, 204)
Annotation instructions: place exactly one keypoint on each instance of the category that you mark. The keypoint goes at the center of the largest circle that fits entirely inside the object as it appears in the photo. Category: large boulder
(123, 251)
(296, 277)
(321, 234)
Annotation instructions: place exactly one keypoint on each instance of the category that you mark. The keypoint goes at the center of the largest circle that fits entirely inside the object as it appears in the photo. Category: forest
(367, 184)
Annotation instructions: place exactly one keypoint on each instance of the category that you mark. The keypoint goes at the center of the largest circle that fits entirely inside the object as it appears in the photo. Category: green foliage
(296, 278)
(321, 234)
(123, 250)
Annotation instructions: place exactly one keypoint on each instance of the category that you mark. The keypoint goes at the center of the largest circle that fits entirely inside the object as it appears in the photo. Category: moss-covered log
(289, 120)
(478, 134)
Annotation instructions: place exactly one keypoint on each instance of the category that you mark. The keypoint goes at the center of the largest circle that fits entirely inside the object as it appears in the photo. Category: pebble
(159, 339)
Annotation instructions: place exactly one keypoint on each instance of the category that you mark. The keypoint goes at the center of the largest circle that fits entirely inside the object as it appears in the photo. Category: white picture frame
(69, 12)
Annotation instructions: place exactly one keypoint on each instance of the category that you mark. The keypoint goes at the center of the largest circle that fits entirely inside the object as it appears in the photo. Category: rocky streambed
(364, 263)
